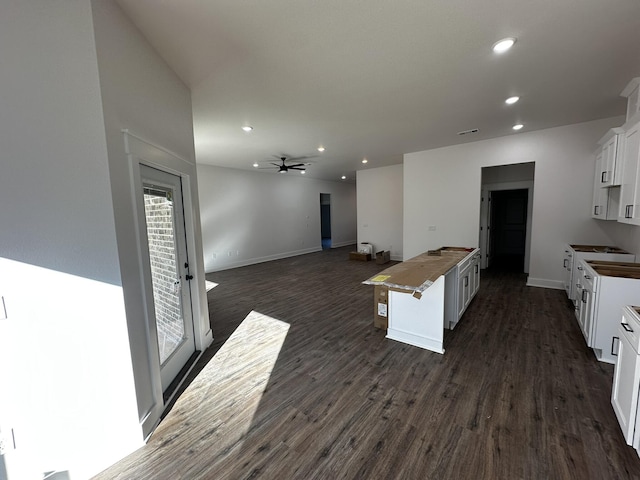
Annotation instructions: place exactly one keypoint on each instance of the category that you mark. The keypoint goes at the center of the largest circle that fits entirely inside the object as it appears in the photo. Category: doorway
(508, 229)
(172, 318)
(325, 220)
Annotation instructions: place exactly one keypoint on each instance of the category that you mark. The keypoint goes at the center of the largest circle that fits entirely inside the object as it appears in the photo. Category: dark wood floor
(301, 386)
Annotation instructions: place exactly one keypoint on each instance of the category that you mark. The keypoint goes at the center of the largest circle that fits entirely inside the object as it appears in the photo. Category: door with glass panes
(169, 262)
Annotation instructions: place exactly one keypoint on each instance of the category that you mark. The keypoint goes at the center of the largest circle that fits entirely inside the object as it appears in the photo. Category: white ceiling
(379, 78)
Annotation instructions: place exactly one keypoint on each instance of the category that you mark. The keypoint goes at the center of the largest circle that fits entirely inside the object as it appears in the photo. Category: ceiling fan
(283, 167)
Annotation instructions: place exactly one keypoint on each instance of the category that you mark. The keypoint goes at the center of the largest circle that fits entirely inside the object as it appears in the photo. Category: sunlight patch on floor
(227, 392)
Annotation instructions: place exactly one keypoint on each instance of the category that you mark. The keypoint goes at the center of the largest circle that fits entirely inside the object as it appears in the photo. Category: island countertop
(420, 272)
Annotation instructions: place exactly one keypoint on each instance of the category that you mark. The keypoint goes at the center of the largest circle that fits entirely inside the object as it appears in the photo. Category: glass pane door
(168, 259)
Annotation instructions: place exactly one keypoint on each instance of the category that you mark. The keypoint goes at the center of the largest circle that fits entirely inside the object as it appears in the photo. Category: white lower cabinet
(605, 290)
(626, 377)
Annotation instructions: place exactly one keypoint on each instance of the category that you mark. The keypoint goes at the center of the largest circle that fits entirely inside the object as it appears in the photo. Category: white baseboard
(421, 341)
(545, 283)
(268, 258)
(343, 244)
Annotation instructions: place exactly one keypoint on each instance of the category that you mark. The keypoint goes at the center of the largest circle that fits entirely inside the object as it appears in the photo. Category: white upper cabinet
(629, 211)
(632, 92)
(605, 199)
(609, 171)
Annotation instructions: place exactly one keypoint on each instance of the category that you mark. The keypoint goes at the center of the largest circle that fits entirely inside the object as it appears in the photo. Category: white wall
(142, 94)
(380, 201)
(520, 172)
(263, 216)
(442, 189)
(65, 367)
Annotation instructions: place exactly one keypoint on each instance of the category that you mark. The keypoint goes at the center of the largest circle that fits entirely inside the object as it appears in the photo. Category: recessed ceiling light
(256, 165)
(503, 45)
(301, 172)
(247, 128)
(321, 149)
(511, 100)
(518, 126)
(344, 177)
(364, 160)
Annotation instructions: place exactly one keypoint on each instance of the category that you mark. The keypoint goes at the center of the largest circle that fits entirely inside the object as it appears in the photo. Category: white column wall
(142, 94)
(250, 217)
(442, 190)
(380, 201)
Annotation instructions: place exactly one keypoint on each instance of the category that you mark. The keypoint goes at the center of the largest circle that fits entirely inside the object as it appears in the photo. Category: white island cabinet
(427, 294)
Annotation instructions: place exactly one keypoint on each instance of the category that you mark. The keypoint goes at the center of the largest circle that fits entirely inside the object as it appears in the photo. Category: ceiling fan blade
(304, 157)
(296, 165)
(296, 168)
(276, 164)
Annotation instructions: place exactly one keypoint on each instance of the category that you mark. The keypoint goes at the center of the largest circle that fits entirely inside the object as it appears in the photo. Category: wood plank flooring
(299, 385)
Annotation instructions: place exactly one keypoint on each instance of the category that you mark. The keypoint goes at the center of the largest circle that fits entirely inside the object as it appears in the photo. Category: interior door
(169, 261)
(509, 228)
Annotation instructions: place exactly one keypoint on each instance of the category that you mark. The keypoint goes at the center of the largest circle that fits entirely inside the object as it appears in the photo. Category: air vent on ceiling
(466, 132)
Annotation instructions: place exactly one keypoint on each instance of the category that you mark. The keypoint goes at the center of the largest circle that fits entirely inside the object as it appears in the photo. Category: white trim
(141, 151)
(268, 258)
(415, 340)
(343, 244)
(545, 283)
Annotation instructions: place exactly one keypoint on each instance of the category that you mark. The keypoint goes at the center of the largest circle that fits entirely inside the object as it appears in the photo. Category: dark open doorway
(325, 219)
(508, 229)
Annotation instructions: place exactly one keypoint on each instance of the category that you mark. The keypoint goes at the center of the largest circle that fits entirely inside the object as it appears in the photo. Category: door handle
(189, 277)
(626, 327)
(584, 300)
(613, 341)
(564, 265)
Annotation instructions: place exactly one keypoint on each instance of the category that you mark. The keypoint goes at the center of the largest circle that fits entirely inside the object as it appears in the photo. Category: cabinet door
(567, 264)
(463, 291)
(586, 315)
(476, 275)
(624, 394)
(629, 210)
(600, 193)
(608, 165)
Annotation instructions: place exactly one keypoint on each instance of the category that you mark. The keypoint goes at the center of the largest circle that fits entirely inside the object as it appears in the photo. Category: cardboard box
(363, 257)
(380, 306)
(383, 257)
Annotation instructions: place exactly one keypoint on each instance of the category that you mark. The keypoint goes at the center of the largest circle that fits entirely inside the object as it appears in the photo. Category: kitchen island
(422, 296)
